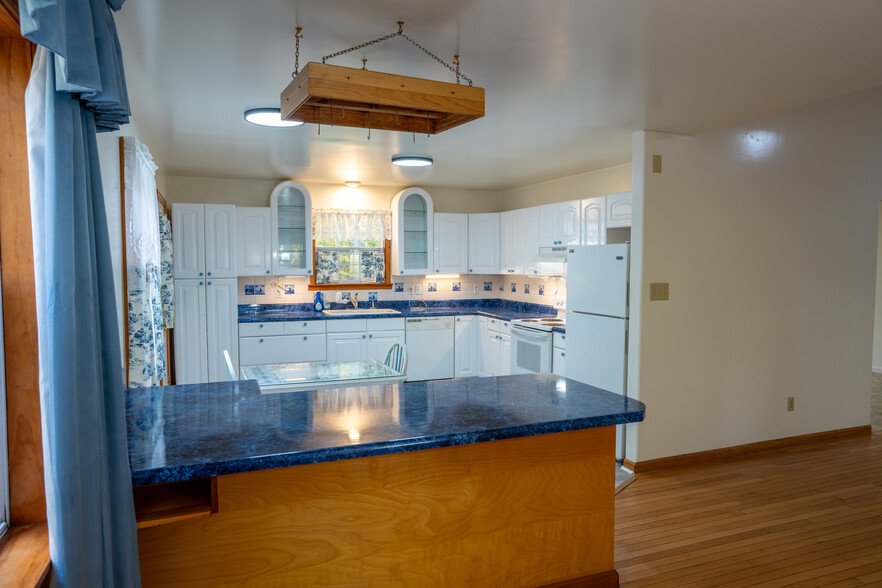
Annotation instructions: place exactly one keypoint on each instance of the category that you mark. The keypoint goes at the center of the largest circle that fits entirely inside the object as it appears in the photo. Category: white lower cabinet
(354, 339)
(282, 342)
(495, 337)
(466, 345)
(205, 326)
(559, 354)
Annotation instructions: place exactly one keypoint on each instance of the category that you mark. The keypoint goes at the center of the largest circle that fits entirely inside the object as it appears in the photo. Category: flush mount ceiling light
(269, 117)
(352, 183)
(412, 160)
(348, 97)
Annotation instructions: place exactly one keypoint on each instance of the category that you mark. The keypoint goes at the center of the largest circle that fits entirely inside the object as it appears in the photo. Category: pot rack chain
(399, 33)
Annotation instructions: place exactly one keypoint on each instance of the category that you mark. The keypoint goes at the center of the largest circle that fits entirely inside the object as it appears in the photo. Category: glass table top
(319, 372)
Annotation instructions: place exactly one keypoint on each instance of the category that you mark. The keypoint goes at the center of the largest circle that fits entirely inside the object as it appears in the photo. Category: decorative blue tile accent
(457, 286)
(526, 288)
(488, 286)
(254, 431)
(541, 290)
(514, 287)
(398, 287)
(289, 289)
(372, 296)
(433, 286)
(249, 289)
(259, 289)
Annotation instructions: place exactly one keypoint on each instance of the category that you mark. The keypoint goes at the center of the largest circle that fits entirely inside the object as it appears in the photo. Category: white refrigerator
(597, 320)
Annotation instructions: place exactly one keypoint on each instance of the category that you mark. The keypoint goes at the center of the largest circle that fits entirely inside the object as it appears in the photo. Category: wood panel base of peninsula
(530, 511)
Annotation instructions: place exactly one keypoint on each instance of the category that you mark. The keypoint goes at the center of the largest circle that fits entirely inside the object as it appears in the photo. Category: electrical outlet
(790, 403)
(418, 289)
(474, 288)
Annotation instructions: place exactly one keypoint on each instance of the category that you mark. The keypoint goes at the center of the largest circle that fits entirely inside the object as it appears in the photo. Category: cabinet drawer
(282, 349)
(260, 329)
(347, 326)
(385, 324)
(499, 326)
(304, 327)
(560, 340)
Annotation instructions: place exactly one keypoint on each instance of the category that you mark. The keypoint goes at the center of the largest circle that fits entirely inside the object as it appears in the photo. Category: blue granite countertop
(201, 430)
(495, 308)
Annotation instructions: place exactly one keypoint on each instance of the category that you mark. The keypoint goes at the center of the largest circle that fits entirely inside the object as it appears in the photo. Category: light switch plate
(659, 291)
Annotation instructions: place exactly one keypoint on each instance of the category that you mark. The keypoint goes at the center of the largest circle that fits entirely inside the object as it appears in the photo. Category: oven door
(530, 350)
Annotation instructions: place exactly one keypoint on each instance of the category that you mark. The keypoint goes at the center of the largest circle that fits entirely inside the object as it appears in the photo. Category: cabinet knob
(209, 273)
(471, 270)
(370, 336)
(201, 283)
(200, 274)
(260, 326)
(304, 338)
(436, 271)
(563, 336)
(260, 341)
(363, 336)
(402, 272)
(309, 271)
(562, 354)
(267, 271)
(304, 324)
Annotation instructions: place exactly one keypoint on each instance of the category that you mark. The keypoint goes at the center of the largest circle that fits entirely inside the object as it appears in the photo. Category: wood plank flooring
(803, 516)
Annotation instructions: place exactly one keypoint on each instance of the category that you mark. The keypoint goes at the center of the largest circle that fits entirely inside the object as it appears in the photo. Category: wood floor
(802, 516)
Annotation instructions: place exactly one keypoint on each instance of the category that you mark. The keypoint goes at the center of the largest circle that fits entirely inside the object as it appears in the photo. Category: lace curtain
(351, 228)
(144, 262)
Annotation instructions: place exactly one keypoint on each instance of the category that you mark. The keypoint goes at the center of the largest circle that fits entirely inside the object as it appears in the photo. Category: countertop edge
(265, 462)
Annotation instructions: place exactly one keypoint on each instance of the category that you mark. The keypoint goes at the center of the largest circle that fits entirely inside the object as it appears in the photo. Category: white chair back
(396, 358)
(231, 371)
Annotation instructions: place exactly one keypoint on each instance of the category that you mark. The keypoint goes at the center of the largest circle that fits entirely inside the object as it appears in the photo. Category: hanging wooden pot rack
(333, 95)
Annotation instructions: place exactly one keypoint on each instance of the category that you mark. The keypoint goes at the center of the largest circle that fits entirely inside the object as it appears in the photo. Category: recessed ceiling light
(352, 183)
(269, 117)
(411, 161)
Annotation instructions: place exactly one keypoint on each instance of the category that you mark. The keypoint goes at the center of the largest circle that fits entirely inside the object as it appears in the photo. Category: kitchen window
(351, 248)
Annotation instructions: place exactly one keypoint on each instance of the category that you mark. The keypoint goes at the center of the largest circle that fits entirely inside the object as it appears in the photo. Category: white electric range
(531, 344)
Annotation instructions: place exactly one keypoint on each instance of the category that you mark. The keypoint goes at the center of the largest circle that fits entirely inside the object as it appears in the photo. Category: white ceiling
(567, 81)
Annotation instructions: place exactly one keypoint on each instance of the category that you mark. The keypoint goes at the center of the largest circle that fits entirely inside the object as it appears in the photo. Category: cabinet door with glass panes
(412, 230)
(291, 229)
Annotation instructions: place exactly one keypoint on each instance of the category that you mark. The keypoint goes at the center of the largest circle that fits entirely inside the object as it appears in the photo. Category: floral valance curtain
(351, 228)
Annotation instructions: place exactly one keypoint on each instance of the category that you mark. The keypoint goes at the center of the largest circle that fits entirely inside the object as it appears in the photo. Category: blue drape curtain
(77, 86)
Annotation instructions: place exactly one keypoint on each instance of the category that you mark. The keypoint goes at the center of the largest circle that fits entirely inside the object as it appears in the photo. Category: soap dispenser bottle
(318, 302)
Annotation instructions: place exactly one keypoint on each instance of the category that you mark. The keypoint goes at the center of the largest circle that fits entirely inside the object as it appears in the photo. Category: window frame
(386, 284)
(4, 449)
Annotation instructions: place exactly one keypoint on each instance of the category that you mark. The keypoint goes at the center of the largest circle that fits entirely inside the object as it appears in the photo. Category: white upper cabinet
(220, 241)
(451, 243)
(484, 243)
(531, 240)
(188, 239)
(516, 241)
(253, 243)
(291, 229)
(618, 210)
(506, 240)
(594, 221)
(560, 224)
(412, 233)
(204, 240)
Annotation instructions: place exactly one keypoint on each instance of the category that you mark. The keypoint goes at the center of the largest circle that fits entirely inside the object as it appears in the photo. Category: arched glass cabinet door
(291, 227)
(412, 226)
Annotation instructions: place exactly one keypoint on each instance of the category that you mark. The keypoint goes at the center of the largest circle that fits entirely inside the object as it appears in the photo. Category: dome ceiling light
(349, 97)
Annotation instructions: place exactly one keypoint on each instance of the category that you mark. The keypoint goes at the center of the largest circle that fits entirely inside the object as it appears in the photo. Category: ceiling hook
(400, 26)
(364, 63)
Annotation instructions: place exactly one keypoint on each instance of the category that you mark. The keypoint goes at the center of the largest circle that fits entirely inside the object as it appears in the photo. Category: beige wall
(767, 234)
(594, 183)
(877, 323)
(243, 192)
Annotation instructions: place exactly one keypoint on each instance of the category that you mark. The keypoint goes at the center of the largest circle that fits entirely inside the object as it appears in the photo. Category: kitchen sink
(359, 311)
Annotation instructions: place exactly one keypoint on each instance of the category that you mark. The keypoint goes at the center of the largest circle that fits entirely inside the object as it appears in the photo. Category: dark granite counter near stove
(202, 430)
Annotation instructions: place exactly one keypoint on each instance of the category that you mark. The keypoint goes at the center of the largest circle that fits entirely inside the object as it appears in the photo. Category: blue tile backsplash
(398, 287)
(541, 290)
(249, 289)
(259, 289)
(433, 286)
(488, 286)
(289, 289)
(457, 286)
(372, 296)
(526, 288)
(514, 287)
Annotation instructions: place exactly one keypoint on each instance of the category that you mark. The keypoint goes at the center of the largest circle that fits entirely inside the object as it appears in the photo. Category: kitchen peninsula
(495, 481)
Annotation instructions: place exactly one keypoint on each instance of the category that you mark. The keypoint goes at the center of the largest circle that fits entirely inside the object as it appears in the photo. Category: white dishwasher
(429, 343)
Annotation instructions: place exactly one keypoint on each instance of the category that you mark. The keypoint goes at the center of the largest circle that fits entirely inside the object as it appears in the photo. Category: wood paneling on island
(518, 512)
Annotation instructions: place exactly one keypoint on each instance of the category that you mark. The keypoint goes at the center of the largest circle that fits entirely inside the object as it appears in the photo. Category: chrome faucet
(353, 299)
(426, 306)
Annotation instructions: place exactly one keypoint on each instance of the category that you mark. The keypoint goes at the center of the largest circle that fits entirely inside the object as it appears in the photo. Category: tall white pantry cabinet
(206, 312)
